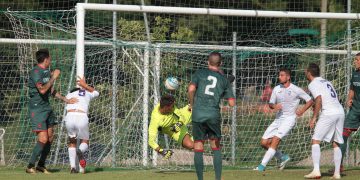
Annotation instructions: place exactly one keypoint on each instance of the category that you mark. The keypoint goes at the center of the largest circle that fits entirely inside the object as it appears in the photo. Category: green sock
(36, 153)
(199, 165)
(217, 161)
(44, 154)
(343, 148)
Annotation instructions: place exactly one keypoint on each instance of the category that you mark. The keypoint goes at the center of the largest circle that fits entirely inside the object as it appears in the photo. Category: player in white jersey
(329, 127)
(77, 123)
(285, 98)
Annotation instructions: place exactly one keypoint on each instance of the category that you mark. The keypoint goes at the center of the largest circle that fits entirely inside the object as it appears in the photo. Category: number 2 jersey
(211, 87)
(84, 98)
(329, 99)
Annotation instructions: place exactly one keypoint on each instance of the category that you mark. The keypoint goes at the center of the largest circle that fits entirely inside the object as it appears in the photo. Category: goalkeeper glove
(176, 127)
(166, 153)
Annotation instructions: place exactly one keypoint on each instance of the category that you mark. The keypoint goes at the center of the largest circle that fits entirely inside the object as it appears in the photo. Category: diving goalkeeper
(166, 118)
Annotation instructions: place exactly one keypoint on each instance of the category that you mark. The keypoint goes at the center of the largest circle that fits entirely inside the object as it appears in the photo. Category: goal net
(127, 59)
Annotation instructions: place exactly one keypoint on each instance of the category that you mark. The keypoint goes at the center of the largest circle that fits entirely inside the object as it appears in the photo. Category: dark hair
(75, 89)
(214, 62)
(357, 54)
(42, 54)
(166, 100)
(286, 70)
(314, 69)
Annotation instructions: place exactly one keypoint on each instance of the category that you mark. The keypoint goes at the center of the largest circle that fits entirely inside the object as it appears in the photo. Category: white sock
(337, 160)
(315, 153)
(72, 156)
(83, 147)
(278, 154)
(268, 155)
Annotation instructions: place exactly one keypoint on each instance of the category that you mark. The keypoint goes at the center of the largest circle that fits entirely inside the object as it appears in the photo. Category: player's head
(43, 56)
(312, 71)
(214, 59)
(167, 104)
(357, 61)
(284, 75)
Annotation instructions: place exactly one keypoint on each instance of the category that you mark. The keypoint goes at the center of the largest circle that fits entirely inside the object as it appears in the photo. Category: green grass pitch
(108, 173)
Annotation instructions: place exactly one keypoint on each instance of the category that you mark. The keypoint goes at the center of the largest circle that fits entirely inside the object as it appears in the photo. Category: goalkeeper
(168, 119)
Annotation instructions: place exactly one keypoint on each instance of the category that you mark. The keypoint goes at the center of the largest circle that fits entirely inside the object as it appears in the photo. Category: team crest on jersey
(81, 92)
(289, 93)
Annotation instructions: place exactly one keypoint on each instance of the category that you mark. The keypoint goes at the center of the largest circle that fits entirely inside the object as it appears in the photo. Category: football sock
(337, 160)
(217, 161)
(72, 156)
(316, 153)
(44, 154)
(199, 164)
(36, 153)
(268, 156)
(83, 147)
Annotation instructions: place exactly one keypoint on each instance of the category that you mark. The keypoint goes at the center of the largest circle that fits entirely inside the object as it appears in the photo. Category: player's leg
(322, 131)
(83, 134)
(70, 121)
(338, 139)
(269, 153)
(265, 143)
(352, 123)
(214, 134)
(39, 126)
(50, 122)
(72, 154)
(188, 142)
(199, 136)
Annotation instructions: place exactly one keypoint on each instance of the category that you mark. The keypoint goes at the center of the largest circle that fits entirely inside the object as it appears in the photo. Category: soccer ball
(171, 83)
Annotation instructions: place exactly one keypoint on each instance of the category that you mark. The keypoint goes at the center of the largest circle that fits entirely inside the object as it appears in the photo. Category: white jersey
(84, 98)
(289, 98)
(329, 99)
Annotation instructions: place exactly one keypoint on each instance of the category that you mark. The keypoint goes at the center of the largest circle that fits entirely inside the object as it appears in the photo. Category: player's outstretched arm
(43, 88)
(301, 111)
(57, 95)
(81, 82)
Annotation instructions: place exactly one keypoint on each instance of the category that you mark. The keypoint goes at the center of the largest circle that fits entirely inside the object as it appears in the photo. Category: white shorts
(329, 128)
(77, 125)
(280, 128)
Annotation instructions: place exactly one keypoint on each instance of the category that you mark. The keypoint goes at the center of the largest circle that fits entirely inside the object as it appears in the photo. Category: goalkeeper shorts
(179, 136)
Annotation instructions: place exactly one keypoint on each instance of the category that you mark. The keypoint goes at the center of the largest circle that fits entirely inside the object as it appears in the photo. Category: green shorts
(352, 120)
(206, 130)
(179, 136)
(41, 119)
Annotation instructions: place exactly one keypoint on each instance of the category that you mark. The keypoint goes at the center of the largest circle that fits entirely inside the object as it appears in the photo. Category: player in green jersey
(352, 120)
(42, 118)
(207, 88)
(168, 119)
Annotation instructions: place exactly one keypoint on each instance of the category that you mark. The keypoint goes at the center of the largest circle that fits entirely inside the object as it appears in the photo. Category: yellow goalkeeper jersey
(163, 123)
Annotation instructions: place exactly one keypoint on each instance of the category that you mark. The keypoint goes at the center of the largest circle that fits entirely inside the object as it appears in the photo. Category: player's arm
(272, 102)
(57, 95)
(317, 107)
(350, 96)
(309, 102)
(191, 94)
(153, 133)
(43, 88)
(81, 82)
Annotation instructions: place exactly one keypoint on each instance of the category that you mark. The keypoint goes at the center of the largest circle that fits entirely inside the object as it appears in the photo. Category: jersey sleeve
(195, 79)
(314, 90)
(94, 94)
(36, 77)
(273, 96)
(303, 95)
(185, 115)
(153, 131)
(228, 93)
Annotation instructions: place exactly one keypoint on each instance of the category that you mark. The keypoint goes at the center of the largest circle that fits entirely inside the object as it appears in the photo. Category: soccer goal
(2, 152)
(127, 51)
